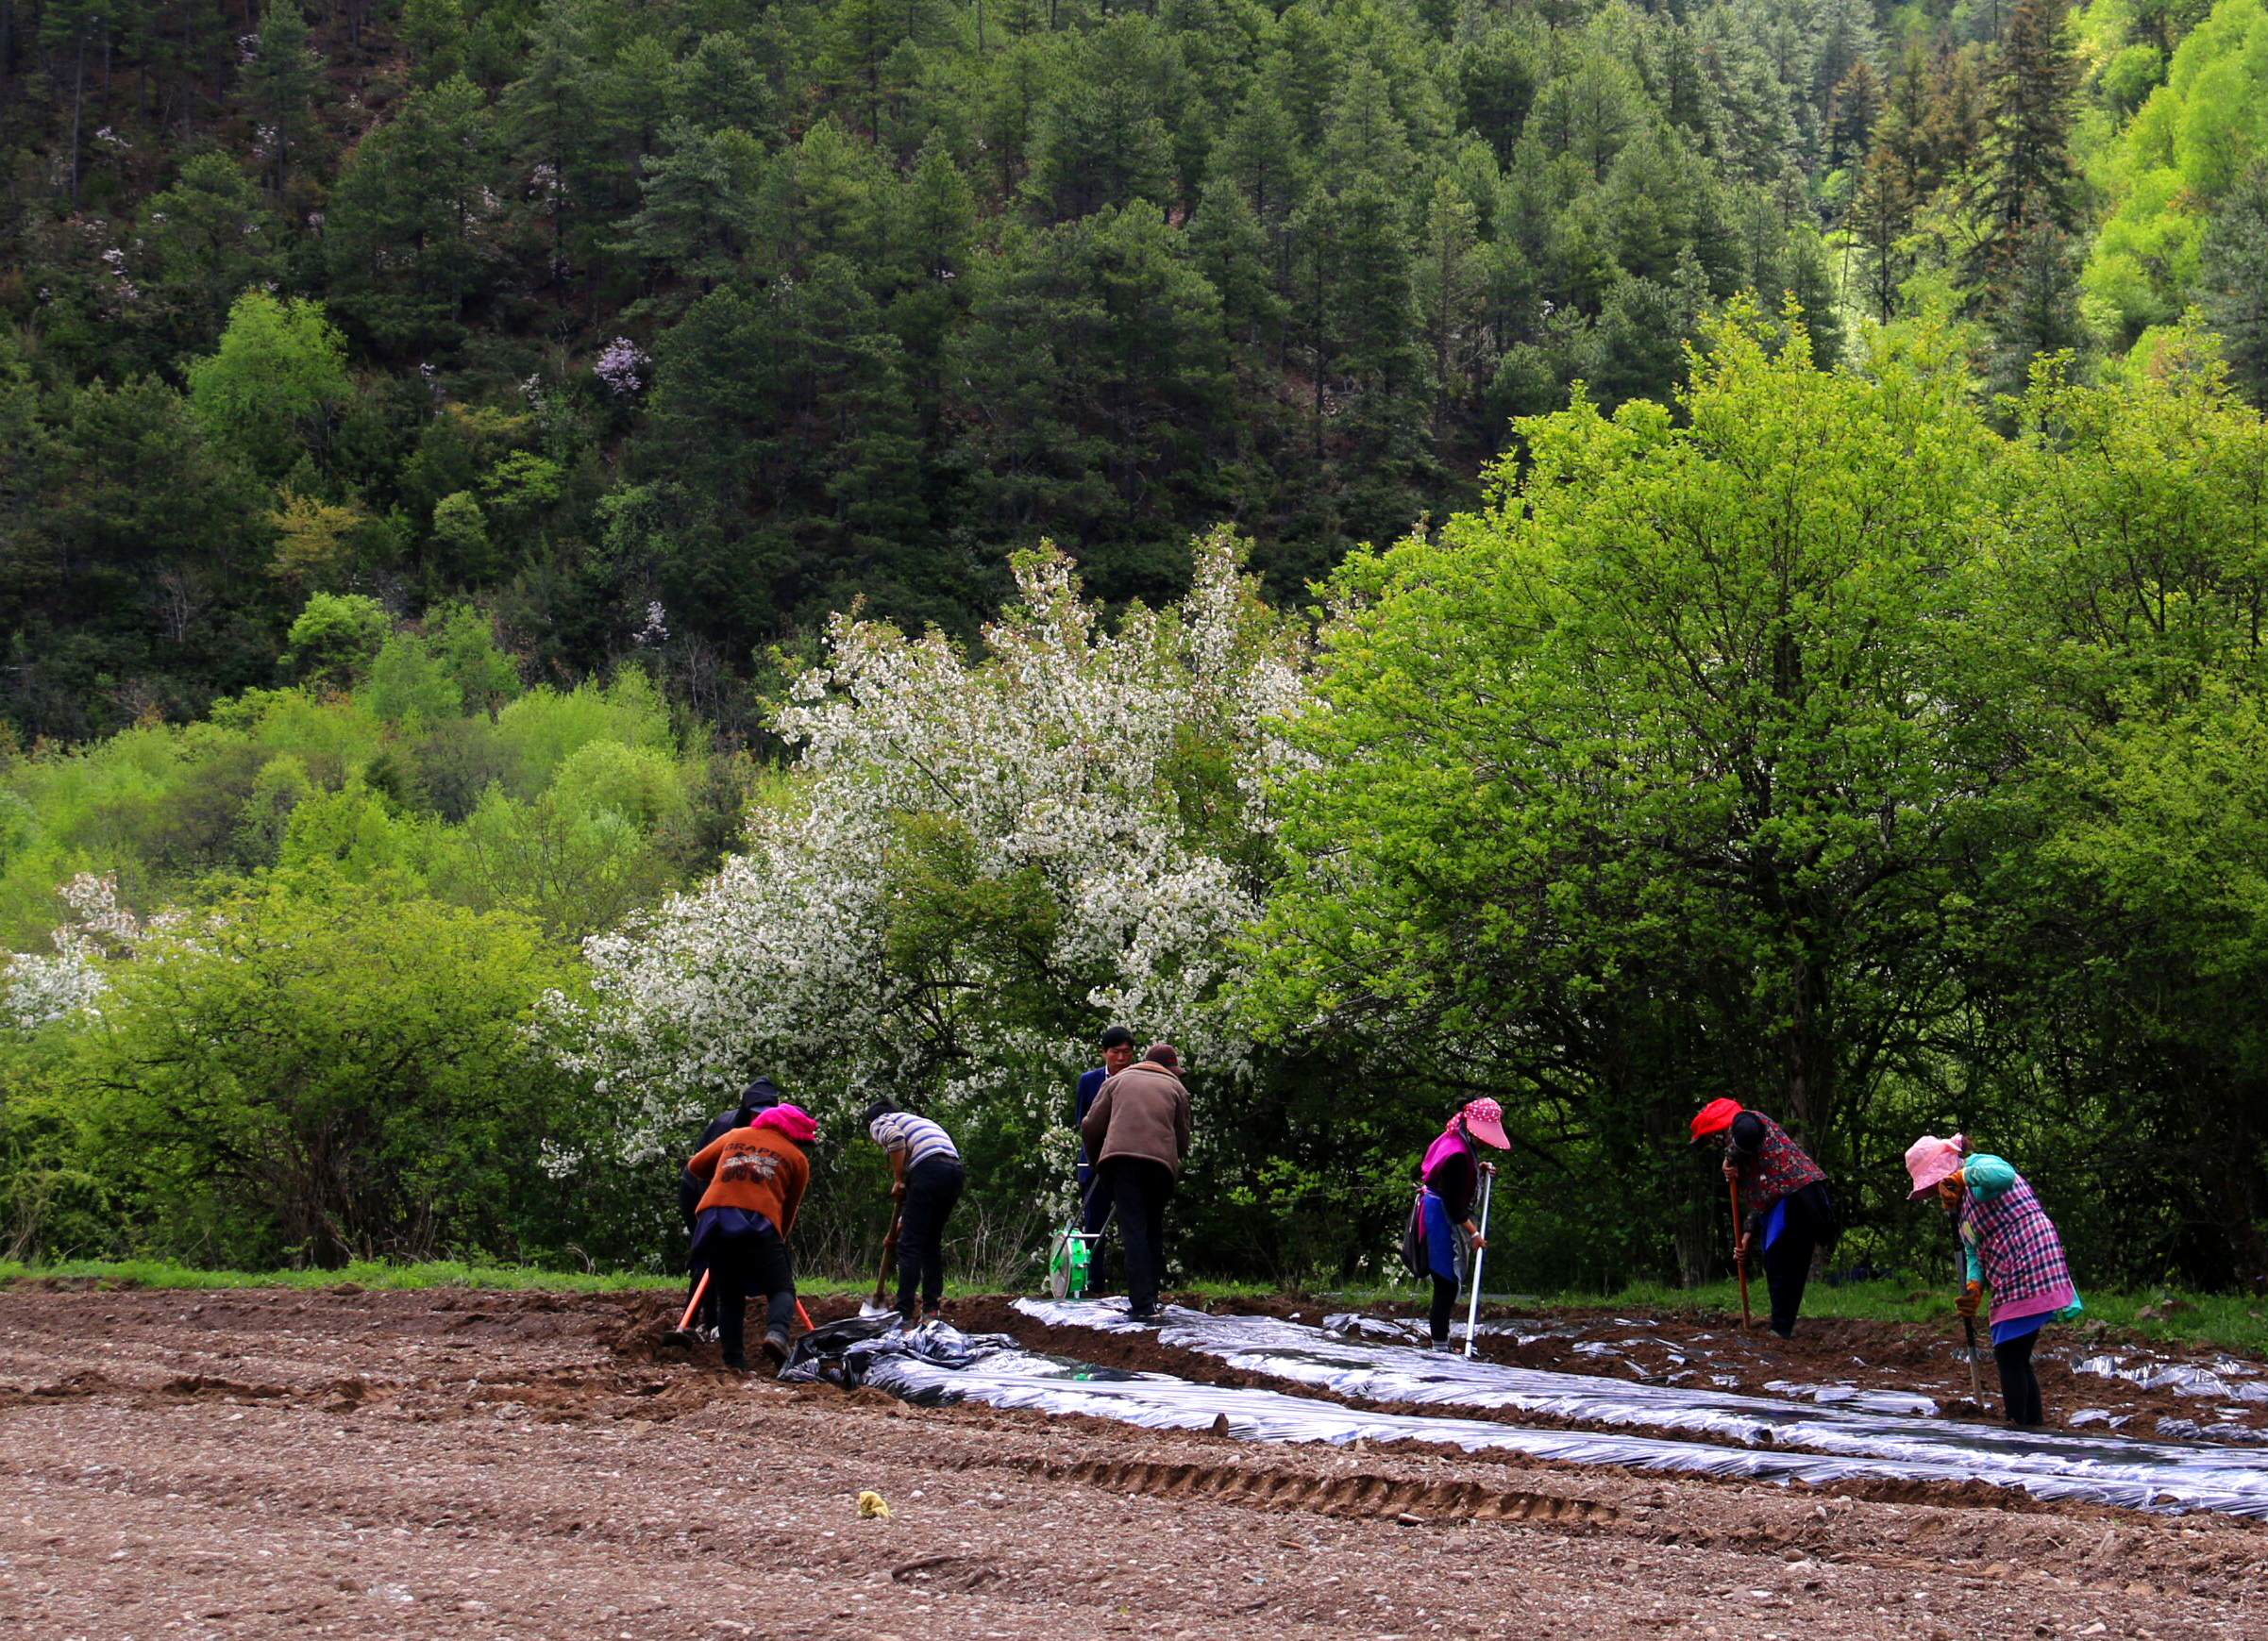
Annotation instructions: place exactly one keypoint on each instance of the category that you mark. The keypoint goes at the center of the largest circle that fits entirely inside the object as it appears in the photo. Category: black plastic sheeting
(843, 1352)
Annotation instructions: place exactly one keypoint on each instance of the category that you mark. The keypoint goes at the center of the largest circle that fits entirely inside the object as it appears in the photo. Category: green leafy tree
(1645, 781)
(326, 1072)
(276, 381)
(336, 639)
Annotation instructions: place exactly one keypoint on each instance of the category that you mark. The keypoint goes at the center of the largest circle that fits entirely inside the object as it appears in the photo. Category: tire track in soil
(1364, 1495)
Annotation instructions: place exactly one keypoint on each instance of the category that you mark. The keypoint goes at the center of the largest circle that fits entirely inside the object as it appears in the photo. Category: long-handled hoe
(876, 1306)
(683, 1334)
(1472, 1316)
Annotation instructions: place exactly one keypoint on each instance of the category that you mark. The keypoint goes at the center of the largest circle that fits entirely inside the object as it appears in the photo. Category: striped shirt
(914, 1138)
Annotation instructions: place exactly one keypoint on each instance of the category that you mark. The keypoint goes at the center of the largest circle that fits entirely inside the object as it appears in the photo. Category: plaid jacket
(1778, 1169)
(2016, 1246)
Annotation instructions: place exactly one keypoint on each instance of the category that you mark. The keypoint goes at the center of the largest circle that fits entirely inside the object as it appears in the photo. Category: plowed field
(261, 1462)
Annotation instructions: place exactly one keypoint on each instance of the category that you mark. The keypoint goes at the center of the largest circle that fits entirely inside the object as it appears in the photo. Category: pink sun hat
(1484, 1122)
(1932, 1161)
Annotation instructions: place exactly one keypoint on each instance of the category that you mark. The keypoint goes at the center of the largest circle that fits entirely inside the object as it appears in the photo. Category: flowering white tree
(39, 988)
(978, 862)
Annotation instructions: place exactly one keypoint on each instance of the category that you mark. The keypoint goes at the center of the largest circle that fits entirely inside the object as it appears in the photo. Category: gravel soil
(261, 1462)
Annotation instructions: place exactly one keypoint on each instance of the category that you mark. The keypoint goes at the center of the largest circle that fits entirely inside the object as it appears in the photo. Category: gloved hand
(1966, 1305)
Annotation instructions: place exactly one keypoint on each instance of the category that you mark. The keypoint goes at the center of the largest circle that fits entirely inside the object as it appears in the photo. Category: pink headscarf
(1484, 1119)
(791, 1120)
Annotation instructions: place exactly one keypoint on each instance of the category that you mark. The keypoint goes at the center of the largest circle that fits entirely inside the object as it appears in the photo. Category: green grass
(386, 1275)
(2226, 1321)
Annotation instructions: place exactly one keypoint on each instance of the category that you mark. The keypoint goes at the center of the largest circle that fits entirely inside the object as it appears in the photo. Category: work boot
(775, 1346)
(736, 1365)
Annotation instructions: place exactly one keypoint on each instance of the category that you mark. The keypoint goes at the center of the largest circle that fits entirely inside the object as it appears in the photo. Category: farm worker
(1137, 1130)
(759, 1095)
(1094, 1206)
(1449, 1176)
(2010, 1245)
(1785, 1209)
(756, 1177)
(926, 1178)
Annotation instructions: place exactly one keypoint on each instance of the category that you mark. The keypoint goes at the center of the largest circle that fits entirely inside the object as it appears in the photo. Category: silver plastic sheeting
(2108, 1469)
(2181, 1377)
(1890, 1401)
(1153, 1401)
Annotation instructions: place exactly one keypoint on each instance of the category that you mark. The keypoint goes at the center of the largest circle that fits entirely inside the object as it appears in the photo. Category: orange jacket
(760, 1170)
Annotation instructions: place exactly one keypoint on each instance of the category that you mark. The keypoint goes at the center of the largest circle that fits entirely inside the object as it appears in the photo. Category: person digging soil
(926, 1178)
(1785, 1210)
(756, 1179)
(2011, 1246)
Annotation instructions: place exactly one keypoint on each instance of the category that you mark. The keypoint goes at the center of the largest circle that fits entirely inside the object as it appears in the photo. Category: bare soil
(259, 1463)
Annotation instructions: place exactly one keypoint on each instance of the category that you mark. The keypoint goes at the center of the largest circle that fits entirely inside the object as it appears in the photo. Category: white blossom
(1062, 756)
(39, 988)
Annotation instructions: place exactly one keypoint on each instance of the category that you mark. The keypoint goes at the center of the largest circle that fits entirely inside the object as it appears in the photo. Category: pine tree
(2232, 280)
(546, 121)
(1449, 293)
(2028, 178)
(2034, 306)
(280, 86)
(1853, 107)
(697, 203)
(1881, 218)
(1228, 245)
(722, 84)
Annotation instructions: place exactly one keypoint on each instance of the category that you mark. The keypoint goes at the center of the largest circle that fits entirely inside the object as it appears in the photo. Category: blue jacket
(1090, 1083)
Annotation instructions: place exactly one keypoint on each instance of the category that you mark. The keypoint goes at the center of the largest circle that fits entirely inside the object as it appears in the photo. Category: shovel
(875, 1306)
(682, 1334)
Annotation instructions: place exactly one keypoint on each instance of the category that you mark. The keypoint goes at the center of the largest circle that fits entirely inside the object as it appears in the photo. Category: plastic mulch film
(2103, 1468)
(2219, 1382)
(1018, 1380)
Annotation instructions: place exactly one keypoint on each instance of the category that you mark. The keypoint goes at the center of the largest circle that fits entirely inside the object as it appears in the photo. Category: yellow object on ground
(870, 1505)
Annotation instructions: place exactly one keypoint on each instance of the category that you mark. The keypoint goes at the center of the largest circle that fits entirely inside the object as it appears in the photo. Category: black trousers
(932, 1187)
(2019, 1384)
(1445, 1304)
(1788, 1261)
(1787, 1269)
(1138, 1189)
(759, 1263)
(689, 1204)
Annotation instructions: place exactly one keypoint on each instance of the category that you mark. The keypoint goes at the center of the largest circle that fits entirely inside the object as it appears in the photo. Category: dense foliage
(674, 328)
(515, 487)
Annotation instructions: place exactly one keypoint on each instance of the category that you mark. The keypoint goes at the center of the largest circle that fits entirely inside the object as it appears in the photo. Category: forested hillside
(521, 553)
(665, 329)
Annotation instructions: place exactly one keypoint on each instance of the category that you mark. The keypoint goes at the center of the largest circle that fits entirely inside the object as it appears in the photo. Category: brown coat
(760, 1170)
(1143, 1111)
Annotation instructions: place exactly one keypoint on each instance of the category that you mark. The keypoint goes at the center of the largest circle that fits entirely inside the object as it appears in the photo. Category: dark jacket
(1082, 1101)
(1143, 1111)
(760, 1097)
